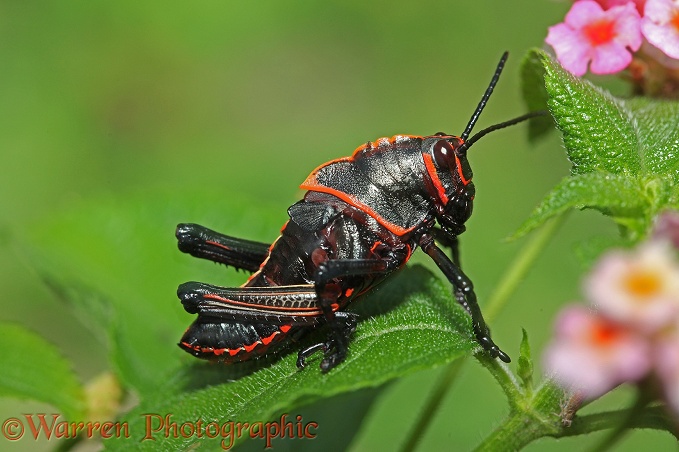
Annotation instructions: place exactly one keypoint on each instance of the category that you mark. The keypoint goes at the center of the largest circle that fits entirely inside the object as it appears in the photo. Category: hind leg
(205, 243)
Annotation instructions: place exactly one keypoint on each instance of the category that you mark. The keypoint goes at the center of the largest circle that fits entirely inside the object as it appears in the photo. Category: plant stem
(537, 417)
(518, 268)
(626, 423)
(516, 271)
(444, 383)
(513, 433)
(504, 377)
(652, 417)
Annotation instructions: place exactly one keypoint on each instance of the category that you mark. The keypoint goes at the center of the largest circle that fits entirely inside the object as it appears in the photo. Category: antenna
(467, 144)
(485, 97)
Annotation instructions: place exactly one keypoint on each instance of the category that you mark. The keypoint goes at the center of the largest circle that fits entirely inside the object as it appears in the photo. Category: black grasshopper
(360, 220)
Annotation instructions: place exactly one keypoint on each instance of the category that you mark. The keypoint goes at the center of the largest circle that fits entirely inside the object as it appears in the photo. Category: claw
(331, 361)
(494, 351)
(306, 352)
(301, 361)
(503, 356)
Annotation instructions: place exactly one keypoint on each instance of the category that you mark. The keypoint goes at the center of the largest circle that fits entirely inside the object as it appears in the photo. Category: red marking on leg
(267, 340)
(210, 242)
(251, 347)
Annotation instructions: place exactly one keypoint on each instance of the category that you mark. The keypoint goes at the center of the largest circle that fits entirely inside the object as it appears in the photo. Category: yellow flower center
(599, 32)
(675, 20)
(643, 284)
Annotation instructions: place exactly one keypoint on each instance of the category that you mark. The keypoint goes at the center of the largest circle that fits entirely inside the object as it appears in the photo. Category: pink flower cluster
(631, 331)
(604, 34)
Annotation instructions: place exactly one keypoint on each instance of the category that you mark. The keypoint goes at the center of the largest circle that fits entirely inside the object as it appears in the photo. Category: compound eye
(443, 153)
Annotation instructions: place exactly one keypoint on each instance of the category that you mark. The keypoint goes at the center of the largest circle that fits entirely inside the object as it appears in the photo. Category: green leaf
(49, 379)
(598, 131)
(535, 95)
(421, 328)
(525, 363)
(614, 195)
(344, 412)
(116, 264)
(625, 153)
(658, 126)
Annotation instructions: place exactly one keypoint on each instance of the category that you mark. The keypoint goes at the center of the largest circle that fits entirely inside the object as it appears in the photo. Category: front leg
(451, 241)
(463, 285)
(346, 325)
(329, 291)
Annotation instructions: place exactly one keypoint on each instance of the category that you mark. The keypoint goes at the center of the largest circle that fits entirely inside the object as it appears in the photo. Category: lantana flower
(638, 288)
(605, 4)
(660, 25)
(591, 354)
(590, 34)
(631, 331)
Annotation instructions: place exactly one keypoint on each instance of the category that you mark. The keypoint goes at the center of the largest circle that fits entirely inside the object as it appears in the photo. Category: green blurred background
(245, 98)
